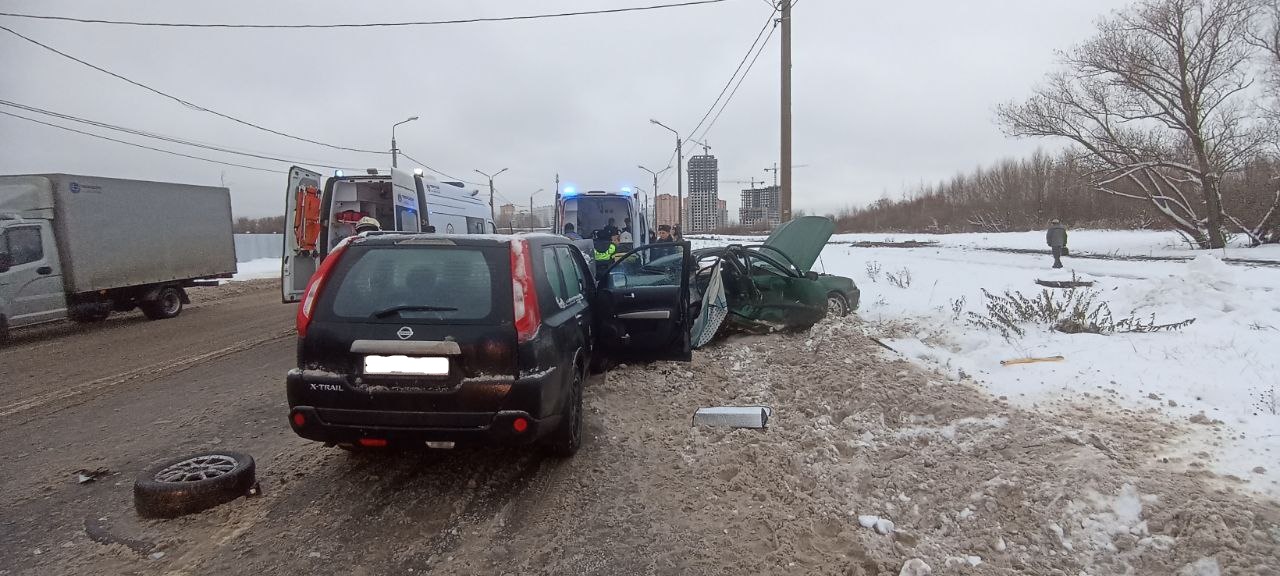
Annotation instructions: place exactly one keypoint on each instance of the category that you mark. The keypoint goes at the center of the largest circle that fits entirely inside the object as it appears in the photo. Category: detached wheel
(168, 304)
(192, 483)
(567, 438)
(837, 304)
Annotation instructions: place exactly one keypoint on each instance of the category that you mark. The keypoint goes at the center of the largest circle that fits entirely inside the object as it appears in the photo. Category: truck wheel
(168, 304)
(193, 483)
(567, 438)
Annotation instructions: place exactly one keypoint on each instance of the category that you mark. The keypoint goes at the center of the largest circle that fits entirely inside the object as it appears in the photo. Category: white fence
(258, 246)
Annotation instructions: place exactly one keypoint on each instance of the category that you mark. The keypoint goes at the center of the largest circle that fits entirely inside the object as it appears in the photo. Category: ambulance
(321, 211)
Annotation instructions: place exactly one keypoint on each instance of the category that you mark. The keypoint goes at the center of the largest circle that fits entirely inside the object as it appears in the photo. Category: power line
(141, 145)
(454, 178)
(735, 72)
(185, 102)
(173, 139)
(370, 24)
(738, 85)
(734, 76)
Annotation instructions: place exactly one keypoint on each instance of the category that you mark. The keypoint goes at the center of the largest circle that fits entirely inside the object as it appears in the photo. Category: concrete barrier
(258, 246)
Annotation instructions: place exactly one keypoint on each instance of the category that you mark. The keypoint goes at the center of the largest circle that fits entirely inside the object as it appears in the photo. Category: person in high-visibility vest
(606, 247)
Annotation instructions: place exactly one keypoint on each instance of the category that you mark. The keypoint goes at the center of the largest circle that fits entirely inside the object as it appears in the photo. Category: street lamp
(393, 138)
(679, 175)
(655, 190)
(492, 214)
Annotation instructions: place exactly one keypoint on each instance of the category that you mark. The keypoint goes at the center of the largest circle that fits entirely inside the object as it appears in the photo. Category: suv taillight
(528, 317)
(307, 310)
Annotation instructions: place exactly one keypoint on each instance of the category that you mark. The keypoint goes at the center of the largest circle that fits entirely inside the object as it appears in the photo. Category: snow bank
(1224, 365)
(257, 269)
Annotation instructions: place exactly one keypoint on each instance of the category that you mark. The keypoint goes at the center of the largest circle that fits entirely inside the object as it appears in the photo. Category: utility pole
(556, 226)
(785, 6)
(531, 216)
(492, 213)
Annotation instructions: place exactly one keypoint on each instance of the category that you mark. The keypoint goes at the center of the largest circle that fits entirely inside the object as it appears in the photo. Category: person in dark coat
(1056, 237)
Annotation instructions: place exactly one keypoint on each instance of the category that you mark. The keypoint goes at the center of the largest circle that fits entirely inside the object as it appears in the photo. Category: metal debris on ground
(733, 416)
(84, 476)
(1065, 283)
(1031, 360)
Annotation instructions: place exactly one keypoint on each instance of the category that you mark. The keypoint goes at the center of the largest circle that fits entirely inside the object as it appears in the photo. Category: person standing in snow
(1056, 237)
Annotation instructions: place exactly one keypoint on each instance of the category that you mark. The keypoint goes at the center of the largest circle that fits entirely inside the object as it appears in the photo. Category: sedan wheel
(837, 305)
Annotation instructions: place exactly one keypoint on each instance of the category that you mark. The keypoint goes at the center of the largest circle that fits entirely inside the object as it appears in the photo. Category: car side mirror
(6, 262)
(811, 275)
(617, 280)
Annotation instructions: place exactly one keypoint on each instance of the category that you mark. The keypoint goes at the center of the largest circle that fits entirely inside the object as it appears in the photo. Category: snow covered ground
(256, 269)
(1107, 242)
(1219, 377)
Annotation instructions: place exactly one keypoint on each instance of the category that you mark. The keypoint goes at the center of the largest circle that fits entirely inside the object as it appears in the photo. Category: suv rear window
(421, 283)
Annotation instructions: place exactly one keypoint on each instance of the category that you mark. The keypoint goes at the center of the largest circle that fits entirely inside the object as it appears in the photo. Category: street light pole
(655, 190)
(393, 138)
(492, 213)
(679, 175)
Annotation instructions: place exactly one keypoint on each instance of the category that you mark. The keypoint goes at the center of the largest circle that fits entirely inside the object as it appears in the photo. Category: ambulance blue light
(337, 173)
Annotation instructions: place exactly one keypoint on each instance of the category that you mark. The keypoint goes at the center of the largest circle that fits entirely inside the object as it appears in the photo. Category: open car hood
(802, 239)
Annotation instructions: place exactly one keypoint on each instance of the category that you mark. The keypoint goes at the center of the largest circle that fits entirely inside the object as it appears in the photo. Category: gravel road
(868, 463)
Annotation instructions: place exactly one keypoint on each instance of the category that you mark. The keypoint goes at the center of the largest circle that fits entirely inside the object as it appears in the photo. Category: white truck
(82, 247)
(320, 212)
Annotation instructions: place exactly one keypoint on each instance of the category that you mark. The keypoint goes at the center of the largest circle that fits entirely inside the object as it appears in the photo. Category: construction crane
(775, 169)
(752, 182)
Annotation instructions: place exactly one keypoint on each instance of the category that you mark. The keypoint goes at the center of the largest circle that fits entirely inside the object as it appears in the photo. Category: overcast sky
(886, 94)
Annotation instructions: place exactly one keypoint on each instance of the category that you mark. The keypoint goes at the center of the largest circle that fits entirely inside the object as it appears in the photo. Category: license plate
(406, 365)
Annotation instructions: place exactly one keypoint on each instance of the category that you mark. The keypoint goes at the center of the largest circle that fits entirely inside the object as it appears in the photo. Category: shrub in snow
(901, 278)
(1072, 311)
(873, 270)
(1267, 401)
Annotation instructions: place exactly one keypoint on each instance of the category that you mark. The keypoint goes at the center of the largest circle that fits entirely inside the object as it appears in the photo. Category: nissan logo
(405, 333)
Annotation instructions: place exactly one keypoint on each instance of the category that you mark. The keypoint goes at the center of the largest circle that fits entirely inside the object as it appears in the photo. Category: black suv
(415, 338)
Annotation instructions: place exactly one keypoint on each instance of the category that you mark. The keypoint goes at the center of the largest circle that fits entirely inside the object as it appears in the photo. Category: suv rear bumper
(341, 426)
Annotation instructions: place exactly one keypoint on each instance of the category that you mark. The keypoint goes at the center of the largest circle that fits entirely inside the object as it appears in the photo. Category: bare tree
(1158, 105)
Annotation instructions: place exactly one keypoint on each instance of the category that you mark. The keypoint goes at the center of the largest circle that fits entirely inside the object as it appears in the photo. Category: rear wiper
(411, 307)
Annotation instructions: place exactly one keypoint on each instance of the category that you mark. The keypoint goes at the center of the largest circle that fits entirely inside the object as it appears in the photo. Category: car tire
(567, 438)
(167, 304)
(837, 304)
(188, 484)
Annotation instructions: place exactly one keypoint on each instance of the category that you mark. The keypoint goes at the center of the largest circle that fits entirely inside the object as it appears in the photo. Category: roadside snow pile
(256, 269)
(1223, 365)
(1218, 377)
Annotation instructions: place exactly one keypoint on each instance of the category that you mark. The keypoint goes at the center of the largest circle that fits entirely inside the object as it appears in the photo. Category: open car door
(643, 304)
(301, 232)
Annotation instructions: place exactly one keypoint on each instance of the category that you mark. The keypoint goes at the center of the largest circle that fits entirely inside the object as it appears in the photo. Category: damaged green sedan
(771, 286)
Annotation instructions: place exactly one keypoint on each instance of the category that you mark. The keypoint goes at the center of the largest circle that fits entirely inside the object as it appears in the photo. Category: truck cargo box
(115, 233)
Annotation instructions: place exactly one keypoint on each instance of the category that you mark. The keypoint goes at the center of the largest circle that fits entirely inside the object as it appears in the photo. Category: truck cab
(320, 212)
